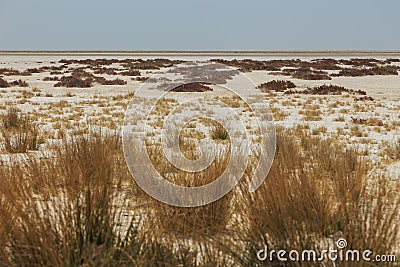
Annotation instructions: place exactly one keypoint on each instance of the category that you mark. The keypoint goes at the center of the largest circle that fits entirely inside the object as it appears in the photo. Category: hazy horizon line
(206, 51)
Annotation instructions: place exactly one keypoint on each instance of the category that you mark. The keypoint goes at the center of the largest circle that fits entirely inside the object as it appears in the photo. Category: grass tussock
(67, 210)
(80, 207)
(315, 193)
(219, 133)
(19, 133)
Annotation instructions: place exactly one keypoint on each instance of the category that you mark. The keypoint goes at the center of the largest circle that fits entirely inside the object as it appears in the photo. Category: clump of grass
(80, 207)
(20, 134)
(315, 192)
(339, 119)
(278, 114)
(69, 210)
(368, 122)
(219, 133)
(313, 114)
(393, 150)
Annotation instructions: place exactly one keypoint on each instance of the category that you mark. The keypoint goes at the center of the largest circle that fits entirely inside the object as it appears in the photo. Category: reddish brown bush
(131, 72)
(103, 70)
(309, 74)
(19, 83)
(192, 87)
(81, 72)
(380, 70)
(392, 60)
(56, 73)
(323, 64)
(361, 62)
(276, 85)
(12, 72)
(248, 65)
(364, 98)
(55, 78)
(114, 82)
(141, 79)
(331, 90)
(4, 83)
(35, 70)
(74, 81)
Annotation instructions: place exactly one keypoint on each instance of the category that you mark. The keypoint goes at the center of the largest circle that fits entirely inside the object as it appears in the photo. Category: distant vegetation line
(213, 51)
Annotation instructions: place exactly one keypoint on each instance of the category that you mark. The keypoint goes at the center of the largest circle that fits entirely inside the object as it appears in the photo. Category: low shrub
(364, 98)
(55, 78)
(368, 122)
(4, 83)
(103, 70)
(308, 74)
(276, 85)
(192, 88)
(315, 193)
(377, 70)
(331, 90)
(131, 72)
(19, 83)
(74, 81)
(114, 82)
(19, 133)
(218, 132)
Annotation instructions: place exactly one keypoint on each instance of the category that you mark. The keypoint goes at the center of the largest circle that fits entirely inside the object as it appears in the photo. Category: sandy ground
(56, 107)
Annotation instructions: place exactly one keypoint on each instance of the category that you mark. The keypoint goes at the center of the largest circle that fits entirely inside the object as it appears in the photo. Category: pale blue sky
(200, 25)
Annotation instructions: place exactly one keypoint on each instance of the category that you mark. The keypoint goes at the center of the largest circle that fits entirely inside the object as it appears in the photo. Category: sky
(199, 25)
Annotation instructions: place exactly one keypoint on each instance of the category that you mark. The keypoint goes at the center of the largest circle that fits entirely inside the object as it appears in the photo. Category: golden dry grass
(81, 208)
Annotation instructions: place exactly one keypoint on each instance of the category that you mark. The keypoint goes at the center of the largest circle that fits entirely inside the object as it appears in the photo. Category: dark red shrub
(4, 84)
(192, 87)
(276, 85)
